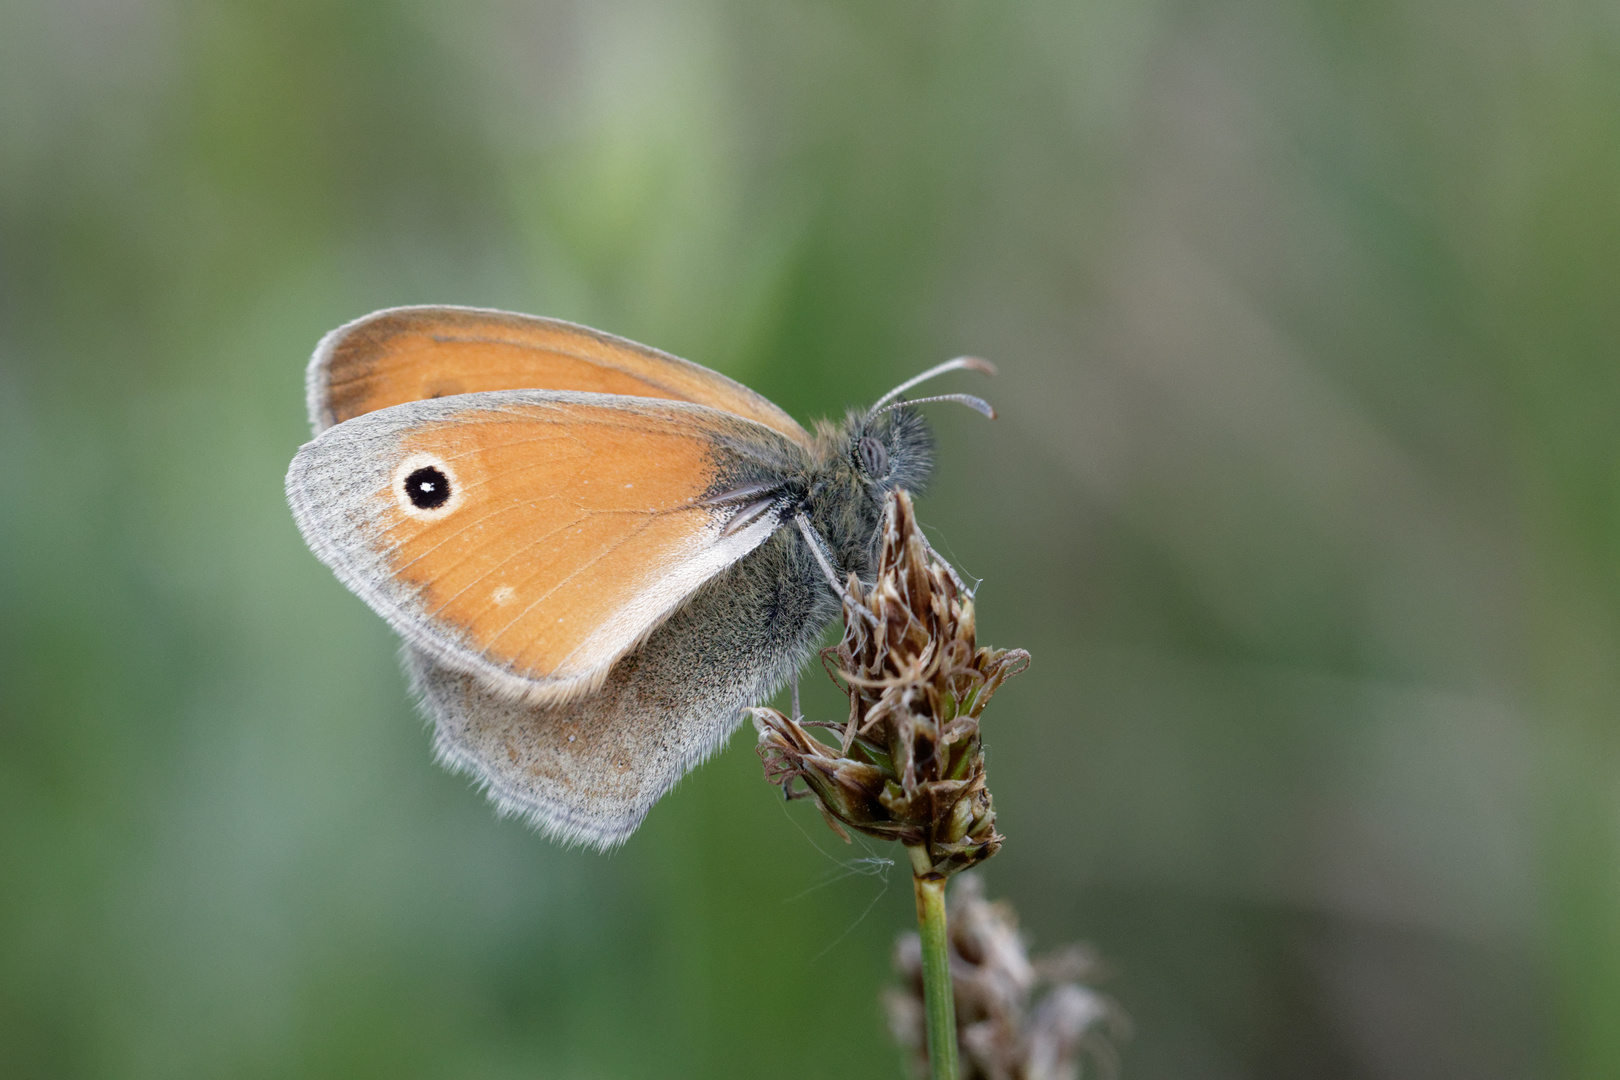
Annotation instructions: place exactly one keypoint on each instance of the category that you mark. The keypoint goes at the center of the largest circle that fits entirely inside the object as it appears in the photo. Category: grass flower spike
(908, 762)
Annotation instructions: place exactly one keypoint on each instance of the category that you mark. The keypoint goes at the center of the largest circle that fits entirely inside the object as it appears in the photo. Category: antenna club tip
(975, 363)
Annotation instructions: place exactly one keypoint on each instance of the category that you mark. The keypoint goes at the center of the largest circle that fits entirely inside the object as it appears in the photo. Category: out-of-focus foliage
(1304, 497)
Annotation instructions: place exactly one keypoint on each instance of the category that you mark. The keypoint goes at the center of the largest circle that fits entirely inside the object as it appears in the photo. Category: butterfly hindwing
(532, 538)
(588, 769)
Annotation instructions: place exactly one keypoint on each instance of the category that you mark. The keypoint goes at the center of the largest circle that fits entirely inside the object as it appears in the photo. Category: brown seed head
(909, 762)
(1003, 1031)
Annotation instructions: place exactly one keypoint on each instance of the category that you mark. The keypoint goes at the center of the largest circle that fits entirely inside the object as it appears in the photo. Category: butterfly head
(876, 449)
(890, 444)
(889, 449)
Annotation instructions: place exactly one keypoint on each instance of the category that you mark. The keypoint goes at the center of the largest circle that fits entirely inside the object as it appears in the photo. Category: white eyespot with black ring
(425, 486)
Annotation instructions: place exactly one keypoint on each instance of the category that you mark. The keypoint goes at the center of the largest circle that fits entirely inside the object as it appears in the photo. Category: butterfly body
(597, 555)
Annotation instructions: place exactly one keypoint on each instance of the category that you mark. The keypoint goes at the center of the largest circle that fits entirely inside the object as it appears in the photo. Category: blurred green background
(1304, 496)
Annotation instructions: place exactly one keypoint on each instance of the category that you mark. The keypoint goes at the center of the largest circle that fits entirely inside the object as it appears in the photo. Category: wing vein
(586, 565)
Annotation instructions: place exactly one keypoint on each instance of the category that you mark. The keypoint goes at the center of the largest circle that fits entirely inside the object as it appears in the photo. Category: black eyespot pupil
(874, 458)
(427, 488)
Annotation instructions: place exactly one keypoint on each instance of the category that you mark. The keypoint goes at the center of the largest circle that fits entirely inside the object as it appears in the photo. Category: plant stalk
(938, 997)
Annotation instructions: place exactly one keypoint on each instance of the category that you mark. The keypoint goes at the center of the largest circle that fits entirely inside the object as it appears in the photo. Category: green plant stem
(936, 965)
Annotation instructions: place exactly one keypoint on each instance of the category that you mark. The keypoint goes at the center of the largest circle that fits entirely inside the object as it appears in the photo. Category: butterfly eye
(874, 458)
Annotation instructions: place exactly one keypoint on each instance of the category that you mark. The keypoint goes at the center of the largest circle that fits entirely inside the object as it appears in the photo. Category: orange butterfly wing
(415, 353)
(574, 523)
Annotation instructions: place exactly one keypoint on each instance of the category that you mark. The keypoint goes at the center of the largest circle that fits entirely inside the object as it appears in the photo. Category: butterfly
(597, 554)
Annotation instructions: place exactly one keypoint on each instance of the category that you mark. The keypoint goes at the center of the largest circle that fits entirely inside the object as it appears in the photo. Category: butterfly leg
(797, 715)
(817, 545)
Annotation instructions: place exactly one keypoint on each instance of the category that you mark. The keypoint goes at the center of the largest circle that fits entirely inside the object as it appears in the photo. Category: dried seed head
(1002, 1032)
(909, 763)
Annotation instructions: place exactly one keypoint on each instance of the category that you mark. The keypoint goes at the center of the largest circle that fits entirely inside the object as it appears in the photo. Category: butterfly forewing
(412, 354)
(532, 537)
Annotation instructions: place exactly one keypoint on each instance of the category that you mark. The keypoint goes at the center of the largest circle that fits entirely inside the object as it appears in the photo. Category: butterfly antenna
(969, 363)
(977, 404)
